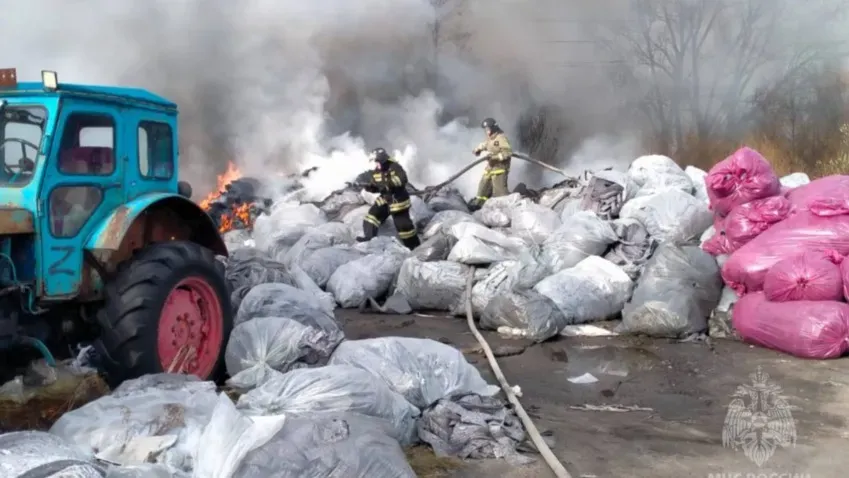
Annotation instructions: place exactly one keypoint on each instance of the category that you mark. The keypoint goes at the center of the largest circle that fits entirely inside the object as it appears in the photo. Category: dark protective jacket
(390, 181)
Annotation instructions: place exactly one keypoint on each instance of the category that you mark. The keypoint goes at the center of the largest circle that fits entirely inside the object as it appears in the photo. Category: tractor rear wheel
(167, 310)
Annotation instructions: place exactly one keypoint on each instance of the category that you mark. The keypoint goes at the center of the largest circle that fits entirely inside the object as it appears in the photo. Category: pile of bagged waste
(311, 405)
(606, 245)
(667, 250)
(782, 245)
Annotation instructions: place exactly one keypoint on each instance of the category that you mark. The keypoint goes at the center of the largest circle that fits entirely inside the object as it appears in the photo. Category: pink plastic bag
(742, 177)
(746, 222)
(835, 187)
(806, 276)
(802, 231)
(844, 274)
(807, 329)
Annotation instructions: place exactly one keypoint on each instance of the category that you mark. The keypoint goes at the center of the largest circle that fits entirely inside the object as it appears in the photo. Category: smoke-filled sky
(281, 85)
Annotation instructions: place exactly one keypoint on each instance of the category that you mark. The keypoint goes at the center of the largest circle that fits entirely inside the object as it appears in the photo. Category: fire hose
(432, 189)
(545, 451)
(550, 459)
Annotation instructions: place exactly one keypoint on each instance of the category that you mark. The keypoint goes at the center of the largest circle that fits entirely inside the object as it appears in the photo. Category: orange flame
(228, 177)
(242, 212)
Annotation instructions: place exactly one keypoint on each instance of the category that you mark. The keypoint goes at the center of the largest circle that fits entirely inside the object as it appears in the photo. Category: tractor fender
(108, 237)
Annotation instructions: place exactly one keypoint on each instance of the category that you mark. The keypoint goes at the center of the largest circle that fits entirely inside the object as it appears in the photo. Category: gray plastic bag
(343, 445)
(496, 212)
(322, 263)
(281, 300)
(583, 234)
(369, 277)
(436, 248)
(670, 215)
(595, 289)
(422, 370)
(527, 312)
(332, 389)
(443, 221)
(265, 344)
(534, 223)
(676, 293)
(432, 285)
(634, 247)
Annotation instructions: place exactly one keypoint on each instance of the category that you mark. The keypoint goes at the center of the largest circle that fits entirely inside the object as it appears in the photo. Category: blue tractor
(98, 238)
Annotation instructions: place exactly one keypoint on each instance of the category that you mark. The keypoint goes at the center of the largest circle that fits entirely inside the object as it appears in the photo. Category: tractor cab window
(87, 146)
(21, 133)
(156, 150)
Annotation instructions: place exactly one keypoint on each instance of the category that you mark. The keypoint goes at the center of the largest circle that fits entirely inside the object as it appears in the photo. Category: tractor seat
(87, 160)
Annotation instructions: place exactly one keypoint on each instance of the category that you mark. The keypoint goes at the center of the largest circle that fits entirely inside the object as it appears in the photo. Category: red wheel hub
(191, 329)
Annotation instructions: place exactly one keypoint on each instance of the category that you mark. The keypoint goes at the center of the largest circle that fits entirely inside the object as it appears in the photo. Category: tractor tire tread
(136, 293)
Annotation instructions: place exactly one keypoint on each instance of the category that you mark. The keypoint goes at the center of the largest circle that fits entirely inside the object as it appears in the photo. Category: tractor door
(152, 154)
(83, 182)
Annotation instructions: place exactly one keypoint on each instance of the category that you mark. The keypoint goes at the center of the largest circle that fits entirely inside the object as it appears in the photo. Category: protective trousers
(492, 184)
(400, 212)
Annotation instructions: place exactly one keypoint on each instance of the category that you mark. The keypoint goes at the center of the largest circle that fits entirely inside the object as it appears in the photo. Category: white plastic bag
(719, 323)
(320, 237)
(503, 278)
(478, 245)
(655, 173)
(422, 370)
(322, 263)
(143, 471)
(43, 455)
(229, 437)
(265, 344)
(794, 180)
(284, 225)
(534, 223)
(332, 389)
(595, 289)
(582, 235)
(443, 221)
(670, 216)
(678, 289)
(435, 285)
(369, 277)
(697, 176)
(304, 282)
(160, 405)
(496, 212)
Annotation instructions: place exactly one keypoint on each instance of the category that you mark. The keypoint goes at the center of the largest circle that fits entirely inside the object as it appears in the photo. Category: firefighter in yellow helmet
(390, 181)
(494, 180)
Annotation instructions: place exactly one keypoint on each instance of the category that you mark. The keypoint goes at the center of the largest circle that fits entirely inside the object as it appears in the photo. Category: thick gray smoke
(277, 86)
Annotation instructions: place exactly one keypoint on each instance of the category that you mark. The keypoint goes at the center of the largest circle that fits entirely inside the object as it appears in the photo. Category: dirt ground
(671, 401)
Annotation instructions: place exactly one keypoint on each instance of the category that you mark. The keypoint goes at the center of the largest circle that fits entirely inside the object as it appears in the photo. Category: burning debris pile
(235, 203)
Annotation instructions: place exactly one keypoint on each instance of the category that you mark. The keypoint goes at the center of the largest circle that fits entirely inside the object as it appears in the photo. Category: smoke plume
(277, 86)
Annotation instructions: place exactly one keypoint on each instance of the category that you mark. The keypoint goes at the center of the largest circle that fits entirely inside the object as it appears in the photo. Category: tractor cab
(88, 187)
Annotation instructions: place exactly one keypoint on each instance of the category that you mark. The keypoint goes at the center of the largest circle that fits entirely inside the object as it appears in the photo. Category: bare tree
(692, 64)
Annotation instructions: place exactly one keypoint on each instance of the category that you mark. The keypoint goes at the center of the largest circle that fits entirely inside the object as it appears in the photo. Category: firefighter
(494, 180)
(390, 181)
